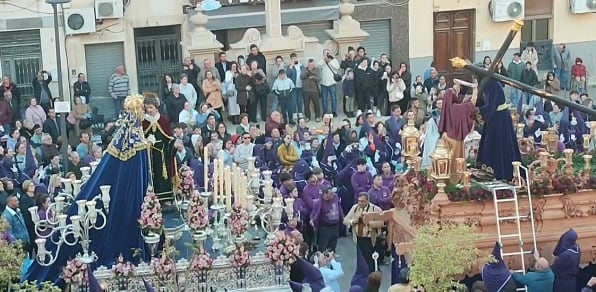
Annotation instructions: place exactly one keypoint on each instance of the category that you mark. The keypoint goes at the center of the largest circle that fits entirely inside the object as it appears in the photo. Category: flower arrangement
(123, 269)
(198, 218)
(238, 220)
(187, 182)
(163, 266)
(151, 217)
(75, 272)
(282, 250)
(240, 258)
(201, 261)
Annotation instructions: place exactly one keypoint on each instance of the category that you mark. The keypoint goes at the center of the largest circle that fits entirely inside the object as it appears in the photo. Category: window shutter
(538, 9)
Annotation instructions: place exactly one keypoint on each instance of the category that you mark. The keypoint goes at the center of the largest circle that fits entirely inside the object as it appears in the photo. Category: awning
(253, 15)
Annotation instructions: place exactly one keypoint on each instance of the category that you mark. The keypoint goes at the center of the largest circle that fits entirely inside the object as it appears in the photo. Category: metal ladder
(496, 186)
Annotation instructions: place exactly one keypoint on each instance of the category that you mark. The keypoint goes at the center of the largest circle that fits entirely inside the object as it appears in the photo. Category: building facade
(442, 29)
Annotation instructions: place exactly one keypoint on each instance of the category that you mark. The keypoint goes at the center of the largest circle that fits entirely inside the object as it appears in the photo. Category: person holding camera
(331, 270)
(310, 86)
(41, 90)
(329, 78)
(364, 232)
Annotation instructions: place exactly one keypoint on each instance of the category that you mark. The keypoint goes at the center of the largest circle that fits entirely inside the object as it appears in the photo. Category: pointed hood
(93, 283)
(496, 275)
(312, 276)
(568, 241)
(300, 170)
(360, 277)
(356, 289)
(148, 286)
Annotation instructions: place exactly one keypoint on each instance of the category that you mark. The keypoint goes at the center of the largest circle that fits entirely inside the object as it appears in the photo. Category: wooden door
(453, 37)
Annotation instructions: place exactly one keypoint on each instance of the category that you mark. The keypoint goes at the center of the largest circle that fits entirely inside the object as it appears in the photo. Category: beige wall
(571, 28)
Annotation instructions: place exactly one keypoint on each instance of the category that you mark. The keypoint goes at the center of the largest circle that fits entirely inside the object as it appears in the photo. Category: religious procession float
(553, 189)
(108, 231)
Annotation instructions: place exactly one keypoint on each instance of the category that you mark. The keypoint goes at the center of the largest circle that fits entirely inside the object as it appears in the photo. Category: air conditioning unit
(583, 6)
(506, 10)
(79, 21)
(105, 9)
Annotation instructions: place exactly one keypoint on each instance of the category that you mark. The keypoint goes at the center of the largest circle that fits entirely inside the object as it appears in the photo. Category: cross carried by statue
(491, 74)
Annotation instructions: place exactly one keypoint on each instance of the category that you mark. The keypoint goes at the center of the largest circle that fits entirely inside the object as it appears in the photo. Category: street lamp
(64, 147)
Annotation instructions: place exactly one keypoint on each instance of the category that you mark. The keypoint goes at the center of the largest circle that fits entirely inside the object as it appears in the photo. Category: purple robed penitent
(310, 193)
(566, 264)
(498, 145)
(361, 182)
(301, 168)
(389, 181)
(496, 275)
(360, 277)
(326, 212)
(198, 171)
(381, 197)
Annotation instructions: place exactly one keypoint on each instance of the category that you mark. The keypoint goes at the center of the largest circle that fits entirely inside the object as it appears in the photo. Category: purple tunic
(310, 193)
(389, 181)
(381, 197)
(284, 191)
(327, 213)
(361, 182)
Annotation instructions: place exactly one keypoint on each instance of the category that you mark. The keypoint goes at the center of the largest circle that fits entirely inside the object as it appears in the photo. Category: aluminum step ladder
(517, 218)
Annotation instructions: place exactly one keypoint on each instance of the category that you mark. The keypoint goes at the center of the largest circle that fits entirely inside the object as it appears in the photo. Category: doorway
(453, 37)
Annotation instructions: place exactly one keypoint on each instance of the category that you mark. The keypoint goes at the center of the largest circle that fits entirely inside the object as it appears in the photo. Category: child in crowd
(579, 75)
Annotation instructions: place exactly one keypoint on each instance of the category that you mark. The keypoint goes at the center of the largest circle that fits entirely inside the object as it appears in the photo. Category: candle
(244, 191)
(34, 214)
(220, 168)
(62, 220)
(234, 181)
(41, 246)
(289, 207)
(460, 164)
(228, 184)
(81, 207)
(568, 156)
(206, 169)
(76, 225)
(516, 169)
(586, 142)
(215, 177)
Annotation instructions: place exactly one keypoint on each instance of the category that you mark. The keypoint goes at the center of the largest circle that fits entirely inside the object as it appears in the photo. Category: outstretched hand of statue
(151, 140)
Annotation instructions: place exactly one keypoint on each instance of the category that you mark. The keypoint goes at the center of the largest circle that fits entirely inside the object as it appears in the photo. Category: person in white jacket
(329, 68)
(395, 89)
(229, 91)
(188, 90)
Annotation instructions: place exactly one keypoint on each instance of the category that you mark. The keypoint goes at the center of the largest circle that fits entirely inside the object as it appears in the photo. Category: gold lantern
(410, 137)
(441, 161)
(520, 131)
(551, 140)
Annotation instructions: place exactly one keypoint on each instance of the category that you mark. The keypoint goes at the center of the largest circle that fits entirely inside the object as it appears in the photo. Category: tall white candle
(228, 184)
(220, 167)
(206, 169)
(216, 197)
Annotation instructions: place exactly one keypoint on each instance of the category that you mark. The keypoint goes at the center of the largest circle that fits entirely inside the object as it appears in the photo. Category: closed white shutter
(102, 60)
(379, 39)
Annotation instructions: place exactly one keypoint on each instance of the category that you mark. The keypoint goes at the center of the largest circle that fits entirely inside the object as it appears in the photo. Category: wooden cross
(491, 74)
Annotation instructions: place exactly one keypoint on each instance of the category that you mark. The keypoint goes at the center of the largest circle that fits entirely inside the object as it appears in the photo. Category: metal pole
(62, 116)
(462, 64)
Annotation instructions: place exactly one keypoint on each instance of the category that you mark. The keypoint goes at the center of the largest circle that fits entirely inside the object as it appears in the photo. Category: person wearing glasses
(244, 151)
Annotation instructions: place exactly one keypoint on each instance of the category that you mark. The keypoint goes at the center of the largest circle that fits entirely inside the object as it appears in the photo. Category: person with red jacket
(579, 74)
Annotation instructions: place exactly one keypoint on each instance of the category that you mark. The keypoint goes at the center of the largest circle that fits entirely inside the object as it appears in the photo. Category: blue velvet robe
(127, 158)
(566, 264)
(498, 145)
